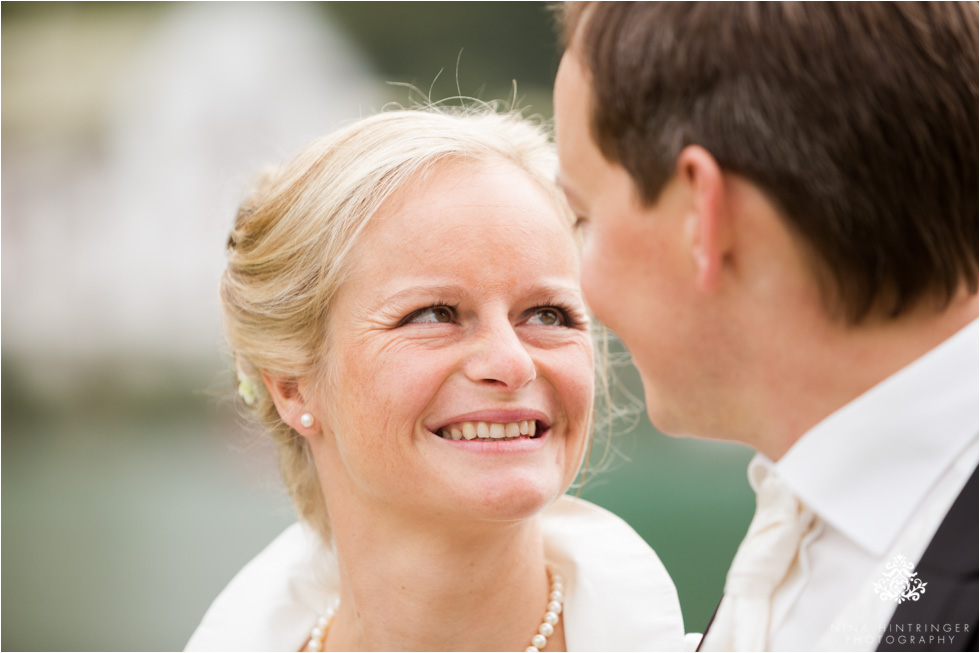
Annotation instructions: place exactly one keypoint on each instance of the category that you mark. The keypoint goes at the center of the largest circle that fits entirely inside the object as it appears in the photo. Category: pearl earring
(306, 420)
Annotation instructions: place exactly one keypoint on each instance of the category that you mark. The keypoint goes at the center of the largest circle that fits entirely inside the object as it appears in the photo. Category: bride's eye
(431, 315)
(547, 317)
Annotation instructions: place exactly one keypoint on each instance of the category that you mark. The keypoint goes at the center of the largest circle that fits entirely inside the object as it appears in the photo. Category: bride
(402, 302)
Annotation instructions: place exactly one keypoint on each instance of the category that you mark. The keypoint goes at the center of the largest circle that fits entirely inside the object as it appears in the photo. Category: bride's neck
(424, 587)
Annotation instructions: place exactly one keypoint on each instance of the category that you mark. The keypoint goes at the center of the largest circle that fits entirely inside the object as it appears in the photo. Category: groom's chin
(677, 420)
(680, 407)
(666, 421)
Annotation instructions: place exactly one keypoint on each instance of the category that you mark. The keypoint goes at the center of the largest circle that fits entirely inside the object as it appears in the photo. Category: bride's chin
(514, 501)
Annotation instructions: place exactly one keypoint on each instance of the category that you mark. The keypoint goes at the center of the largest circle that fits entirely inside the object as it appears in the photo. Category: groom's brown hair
(859, 121)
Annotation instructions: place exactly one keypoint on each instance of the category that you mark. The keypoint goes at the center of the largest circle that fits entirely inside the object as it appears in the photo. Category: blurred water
(119, 539)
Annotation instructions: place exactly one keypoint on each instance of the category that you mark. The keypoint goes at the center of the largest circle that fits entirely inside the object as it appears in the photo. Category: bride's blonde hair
(290, 246)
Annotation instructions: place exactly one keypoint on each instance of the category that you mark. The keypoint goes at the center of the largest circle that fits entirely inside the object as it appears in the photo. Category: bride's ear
(294, 408)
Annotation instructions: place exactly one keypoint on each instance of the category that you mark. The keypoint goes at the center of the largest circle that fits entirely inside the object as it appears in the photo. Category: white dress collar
(618, 596)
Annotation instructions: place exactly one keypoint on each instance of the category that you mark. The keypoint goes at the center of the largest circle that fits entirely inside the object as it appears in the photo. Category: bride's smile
(498, 426)
(460, 343)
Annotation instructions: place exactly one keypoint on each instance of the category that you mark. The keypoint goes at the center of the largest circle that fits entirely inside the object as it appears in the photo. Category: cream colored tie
(760, 564)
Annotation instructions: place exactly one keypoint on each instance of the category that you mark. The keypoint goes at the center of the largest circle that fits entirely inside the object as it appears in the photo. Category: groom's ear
(707, 226)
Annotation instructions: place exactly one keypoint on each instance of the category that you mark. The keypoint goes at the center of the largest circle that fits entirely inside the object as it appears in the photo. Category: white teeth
(489, 430)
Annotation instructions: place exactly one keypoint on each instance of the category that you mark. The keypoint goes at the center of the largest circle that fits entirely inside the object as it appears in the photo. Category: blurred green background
(131, 491)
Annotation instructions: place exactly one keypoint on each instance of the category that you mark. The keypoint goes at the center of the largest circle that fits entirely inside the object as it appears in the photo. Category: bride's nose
(500, 358)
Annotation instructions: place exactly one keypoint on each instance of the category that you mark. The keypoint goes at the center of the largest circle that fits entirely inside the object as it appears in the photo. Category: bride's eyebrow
(562, 289)
(405, 292)
(400, 293)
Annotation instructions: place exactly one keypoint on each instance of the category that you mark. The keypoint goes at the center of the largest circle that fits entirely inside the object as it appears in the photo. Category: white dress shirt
(880, 474)
(618, 596)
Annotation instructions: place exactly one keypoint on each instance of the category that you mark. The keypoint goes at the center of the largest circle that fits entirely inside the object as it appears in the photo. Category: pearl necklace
(318, 636)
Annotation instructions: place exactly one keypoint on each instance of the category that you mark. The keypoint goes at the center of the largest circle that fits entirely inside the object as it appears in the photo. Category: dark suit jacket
(949, 569)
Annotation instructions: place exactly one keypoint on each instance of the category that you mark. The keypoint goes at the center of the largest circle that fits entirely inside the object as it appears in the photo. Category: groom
(779, 206)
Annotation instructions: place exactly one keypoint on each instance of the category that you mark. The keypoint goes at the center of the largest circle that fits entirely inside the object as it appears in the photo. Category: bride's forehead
(464, 203)
(508, 253)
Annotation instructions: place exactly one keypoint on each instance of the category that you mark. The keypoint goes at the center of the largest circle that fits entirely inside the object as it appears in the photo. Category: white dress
(618, 596)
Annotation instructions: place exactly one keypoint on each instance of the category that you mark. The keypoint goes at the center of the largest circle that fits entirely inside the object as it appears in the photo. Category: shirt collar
(866, 467)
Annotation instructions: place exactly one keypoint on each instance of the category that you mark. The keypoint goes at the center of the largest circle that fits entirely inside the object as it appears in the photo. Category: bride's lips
(493, 427)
